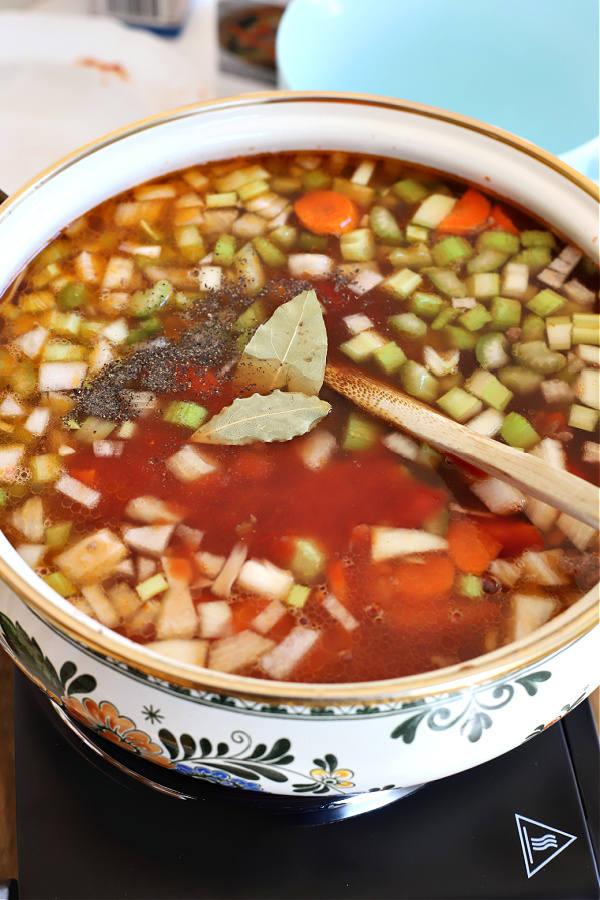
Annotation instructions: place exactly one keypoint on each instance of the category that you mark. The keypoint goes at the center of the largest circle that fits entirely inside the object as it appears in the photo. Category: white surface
(51, 104)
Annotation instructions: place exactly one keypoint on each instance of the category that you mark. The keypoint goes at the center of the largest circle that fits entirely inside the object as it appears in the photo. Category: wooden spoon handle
(557, 487)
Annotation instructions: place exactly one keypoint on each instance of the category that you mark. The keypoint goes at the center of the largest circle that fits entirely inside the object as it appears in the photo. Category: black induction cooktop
(522, 826)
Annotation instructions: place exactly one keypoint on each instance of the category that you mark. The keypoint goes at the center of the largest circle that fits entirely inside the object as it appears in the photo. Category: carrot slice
(471, 548)
(502, 221)
(327, 212)
(471, 211)
(423, 581)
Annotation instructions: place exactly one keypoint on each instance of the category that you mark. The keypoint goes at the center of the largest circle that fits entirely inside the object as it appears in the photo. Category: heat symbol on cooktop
(540, 843)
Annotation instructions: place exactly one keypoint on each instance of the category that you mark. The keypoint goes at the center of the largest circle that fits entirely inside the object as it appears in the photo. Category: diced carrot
(471, 211)
(549, 424)
(337, 579)
(466, 467)
(417, 504)
(424, 580)
(471, 548)
(327, 212)
(502, 221)
(514, 535)
(198, 379)
(86, 476)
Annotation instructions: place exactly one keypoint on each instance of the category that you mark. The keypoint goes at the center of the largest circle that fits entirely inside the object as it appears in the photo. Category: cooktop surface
(522, 826)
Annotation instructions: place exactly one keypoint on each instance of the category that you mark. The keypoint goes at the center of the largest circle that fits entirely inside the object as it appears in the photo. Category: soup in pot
(171, 462)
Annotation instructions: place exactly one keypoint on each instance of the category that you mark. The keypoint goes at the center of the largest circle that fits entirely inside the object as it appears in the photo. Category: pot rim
(544, 643)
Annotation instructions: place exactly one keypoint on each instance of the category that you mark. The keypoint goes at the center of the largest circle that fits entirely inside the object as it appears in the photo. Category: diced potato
(209, 564)
(339, 612)
(387, 543)
(269, 617)
(31, 342)
(188, 464)
(10, 408)
(37, 421)
(191, 537)
(317, 448)
(29, 519)
(263, 578)
(104, 609)
(145, 567)
(177, 617)
(93, 558)
(401, 444)
(89, 266)
(61, 376)
(540, 514)
(192, 652)
(32, 553)
(124, 599)
(499, 497)
(231, 569)
(214, 618)
(10, 456)
(78, 491)
(316, 264)
(142, 622)
(281, 660)
(580, 534)
(531, 611)
(230, 654)
(543, 567)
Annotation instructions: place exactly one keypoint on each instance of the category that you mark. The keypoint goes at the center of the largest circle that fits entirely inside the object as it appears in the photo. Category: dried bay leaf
(292, 346)
(279, 416)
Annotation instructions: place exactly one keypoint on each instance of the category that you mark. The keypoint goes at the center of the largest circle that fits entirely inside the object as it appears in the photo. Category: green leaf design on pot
(28, 652)
(474, 715)
(567, 708)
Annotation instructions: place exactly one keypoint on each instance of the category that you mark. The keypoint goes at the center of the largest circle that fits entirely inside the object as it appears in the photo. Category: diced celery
(441, 363)
(533, 329)
(506, 313)
(586, 328)
(189, 240)
(461, 338)
(360, 433)
(362, 346)
(419, 382)
(483, 285)
(520, 379)
(450, 249)
(64, 323)
(447, 281)
(94, 429)
(459, 404)
(444, 317)
(536, 258)
(433, 210)
(402, 284)
(471, 586)
(249, 268)
(583, 417)
(416, 256)
(538, 239)
(223, 199)
(546, 303)
(308, 561)
(498, 240)
(558, 329)
(426, 305)
(389, 357)
(285, 236)
(252, 189)
(518, 432)
(515, 280)
(298, 596)
(73, 294)
(409, 190)
(384, 225)
(474, 319)
(409, 324)
(358, 245)
(416, 234)
(492, 350)
(145, 303)
(182, 412)
(360, 193)
(89, 330)
(56, 351)
(317, 180)
(538, 356)
(284, 184)
(152, 586)
(60, 583)
(224, 250)
(252, 316)
(487, 260)
(268, 252)
(23, 378)
(309, 241)
(58, 535)
(487, 387)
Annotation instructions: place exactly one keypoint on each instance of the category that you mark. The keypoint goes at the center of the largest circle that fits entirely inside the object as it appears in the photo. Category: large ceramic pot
(296, 739)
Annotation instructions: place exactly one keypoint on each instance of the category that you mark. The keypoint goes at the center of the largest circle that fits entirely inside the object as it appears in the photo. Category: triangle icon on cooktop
(540, 843)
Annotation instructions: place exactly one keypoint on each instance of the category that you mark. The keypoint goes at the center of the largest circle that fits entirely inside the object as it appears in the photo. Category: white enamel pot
(296, 739)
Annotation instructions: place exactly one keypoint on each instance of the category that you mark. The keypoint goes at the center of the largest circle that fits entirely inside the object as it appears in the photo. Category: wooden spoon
(557, 487)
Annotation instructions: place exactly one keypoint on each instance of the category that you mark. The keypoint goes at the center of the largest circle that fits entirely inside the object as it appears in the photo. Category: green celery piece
(520, 379)
(252, 316)
(72, 295)
(309, 241)
(358, 245)
(403, 283)
(414, 256)
(425, 305)
(181, 412)
(409, 190)
(298, 596)
(58, 535)
(384, 225)
(152, 586)
(471, 586)
(224, 250)
(458, 404)
(546, 303)
(450, 249)
(60, 583)
(492, 350)
(268, 252)
(504, 241)
(518, 432)
(444, 317)
(487, 387)
(583, 417)
(483, 285)
(474, 319)
(535, 238)
(419, 382)
(308, 561)
(390, 357)
(446, 281)
(461, 338)
(536, 258)
(487, 260)
(23, 378)
(408, 324)
(316, 180)
(145, 303)
(506, 313)
(360, 433)
(533, 329)
(285, 236)
(538, 356)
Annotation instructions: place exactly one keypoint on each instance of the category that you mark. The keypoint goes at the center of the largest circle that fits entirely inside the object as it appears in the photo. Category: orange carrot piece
(327, 212)
(471, 548)
(514, 535)
(336, 579)
(424, 581)
(471, 211)
(86, 476)
(502, 221)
